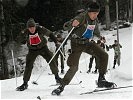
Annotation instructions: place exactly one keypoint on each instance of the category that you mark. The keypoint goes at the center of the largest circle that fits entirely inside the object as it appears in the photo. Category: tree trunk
(131, 11)
(107, 15)
(3, 64)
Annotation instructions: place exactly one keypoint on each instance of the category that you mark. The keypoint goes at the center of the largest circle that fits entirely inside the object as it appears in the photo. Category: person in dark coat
(61, 53)
(103, 43)
(85, 27)
(33, 36)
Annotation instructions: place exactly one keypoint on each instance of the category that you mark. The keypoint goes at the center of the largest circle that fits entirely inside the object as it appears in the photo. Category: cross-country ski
(105, 89)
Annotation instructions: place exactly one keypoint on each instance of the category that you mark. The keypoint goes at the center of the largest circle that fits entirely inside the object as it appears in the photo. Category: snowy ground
(122, 76)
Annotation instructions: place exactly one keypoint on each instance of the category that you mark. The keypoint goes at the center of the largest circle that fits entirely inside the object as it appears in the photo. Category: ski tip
(34, 83)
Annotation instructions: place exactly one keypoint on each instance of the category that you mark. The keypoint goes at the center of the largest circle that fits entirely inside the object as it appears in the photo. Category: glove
(57, 45)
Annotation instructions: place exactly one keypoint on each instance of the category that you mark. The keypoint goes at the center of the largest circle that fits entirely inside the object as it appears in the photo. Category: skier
(117, 52)
(61, 53)
(85, 23)
(33, 35)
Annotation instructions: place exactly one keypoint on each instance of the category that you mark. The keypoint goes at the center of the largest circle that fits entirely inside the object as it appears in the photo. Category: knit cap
(31, 23)
(93, 7)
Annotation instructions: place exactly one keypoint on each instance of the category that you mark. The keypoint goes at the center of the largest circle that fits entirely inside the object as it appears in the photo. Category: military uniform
(85, 28)
(37, 45)
(79, 44)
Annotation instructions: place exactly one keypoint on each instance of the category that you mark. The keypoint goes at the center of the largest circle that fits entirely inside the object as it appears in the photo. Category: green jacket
(84, 20)
(24, 37)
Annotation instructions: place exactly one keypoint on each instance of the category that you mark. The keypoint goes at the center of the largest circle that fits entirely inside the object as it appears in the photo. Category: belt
(80, 41)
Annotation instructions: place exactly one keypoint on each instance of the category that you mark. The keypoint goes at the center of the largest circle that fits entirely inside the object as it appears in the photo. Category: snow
(122, 76)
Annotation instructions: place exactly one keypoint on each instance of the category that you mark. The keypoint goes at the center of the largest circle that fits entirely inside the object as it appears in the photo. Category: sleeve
(53, 38)
(48, 33)
(97, 31)
(44, 31)
(67, 25)
(80, 18)
(120, 46)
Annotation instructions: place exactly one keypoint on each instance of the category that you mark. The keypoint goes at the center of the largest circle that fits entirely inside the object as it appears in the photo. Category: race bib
(89, 32)
(34, 39)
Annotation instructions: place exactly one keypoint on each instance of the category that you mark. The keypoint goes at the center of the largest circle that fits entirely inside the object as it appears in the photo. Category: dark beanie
(93, 7)
(31, 23)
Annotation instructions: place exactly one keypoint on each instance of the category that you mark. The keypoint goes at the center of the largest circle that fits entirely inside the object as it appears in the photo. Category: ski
(68, 84)
(106, 89)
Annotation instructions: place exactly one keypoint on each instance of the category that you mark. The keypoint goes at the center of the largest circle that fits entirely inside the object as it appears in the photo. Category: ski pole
(12, 48)
(35, 82)
(79, 82)
(62, 54)
(14, 66)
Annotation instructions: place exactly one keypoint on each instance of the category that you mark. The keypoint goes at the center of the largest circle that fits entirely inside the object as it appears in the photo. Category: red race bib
(34, 39)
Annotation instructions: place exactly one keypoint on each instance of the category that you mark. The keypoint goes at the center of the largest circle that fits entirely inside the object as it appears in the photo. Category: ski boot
(113, 67)
(23, 87)
(58, 90)
(95, 71)
(102, 83)
(89, 70)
